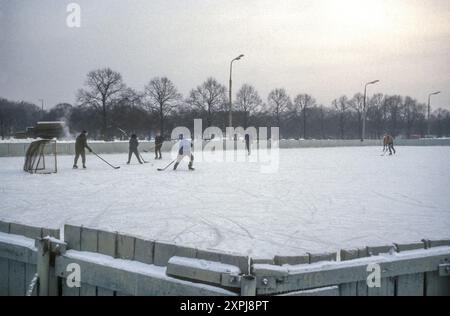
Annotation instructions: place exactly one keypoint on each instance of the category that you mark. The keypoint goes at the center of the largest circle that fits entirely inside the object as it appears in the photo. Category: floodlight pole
(363, 134)
(429, 111)
(230, 109)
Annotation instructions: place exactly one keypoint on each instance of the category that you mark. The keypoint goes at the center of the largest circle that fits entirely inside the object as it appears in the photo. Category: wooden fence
(18, 258)
(115, 264)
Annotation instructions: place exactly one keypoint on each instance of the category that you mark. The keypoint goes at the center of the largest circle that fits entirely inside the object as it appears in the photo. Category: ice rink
(321, 199)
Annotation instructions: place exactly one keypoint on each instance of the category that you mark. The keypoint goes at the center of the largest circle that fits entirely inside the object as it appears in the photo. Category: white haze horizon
(326, 48)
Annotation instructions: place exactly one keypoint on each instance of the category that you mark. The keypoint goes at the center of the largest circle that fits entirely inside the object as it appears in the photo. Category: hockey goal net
(41, 157)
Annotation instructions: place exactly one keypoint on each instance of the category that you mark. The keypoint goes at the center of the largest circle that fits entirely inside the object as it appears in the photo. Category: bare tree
(376, 113)
(131, 97)
(248, 101)
(208, 98)
(3, 103)
(411, 112)
(393, 105)
(357, 104)
(302, 102)
(163, 98)
(278, 103)
(103, 87)
(322, 121)
(441, 122)
(342, 107)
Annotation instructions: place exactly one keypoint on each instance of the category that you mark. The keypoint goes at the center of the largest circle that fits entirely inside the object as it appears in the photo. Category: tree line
(105, 105)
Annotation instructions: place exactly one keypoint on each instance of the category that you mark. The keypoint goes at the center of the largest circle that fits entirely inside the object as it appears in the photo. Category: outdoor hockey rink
(320, 199)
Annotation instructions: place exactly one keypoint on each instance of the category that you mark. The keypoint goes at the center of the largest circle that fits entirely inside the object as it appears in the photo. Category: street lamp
(230, 117)
(429, 111)
(363, 136)
(42, 104)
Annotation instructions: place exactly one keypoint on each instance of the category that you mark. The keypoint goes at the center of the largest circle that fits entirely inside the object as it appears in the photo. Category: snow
(321, 199)
(204, 265)
(327, 265)
(18, 241)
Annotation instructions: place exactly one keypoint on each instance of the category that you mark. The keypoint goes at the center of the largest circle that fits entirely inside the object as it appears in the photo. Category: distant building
(44, 130)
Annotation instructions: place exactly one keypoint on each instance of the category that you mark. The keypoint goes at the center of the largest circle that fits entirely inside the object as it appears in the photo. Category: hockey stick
(143, 160)
(126, 134)
(123, 132)
(162, 169)
(105, 161)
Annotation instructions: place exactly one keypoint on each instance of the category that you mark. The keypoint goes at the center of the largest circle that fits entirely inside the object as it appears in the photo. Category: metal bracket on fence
(231, 280)
(47, 248)
(43, 265)
(57, 247)
(248, 285)
(444, 270)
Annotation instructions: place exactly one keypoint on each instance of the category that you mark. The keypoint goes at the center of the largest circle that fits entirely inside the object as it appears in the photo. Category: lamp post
(363, 134)
(42, 104)
(42, 108)
(230, 113)
(429, 111)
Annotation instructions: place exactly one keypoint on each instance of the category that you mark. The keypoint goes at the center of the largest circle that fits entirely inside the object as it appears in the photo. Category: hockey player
(388, 144)
(247, 143)
(80, 145)
(158, 144)
(184, 151)
(133, 149)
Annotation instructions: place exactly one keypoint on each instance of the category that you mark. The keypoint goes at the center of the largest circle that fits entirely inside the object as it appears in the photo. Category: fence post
(248, 285)
(43, 265)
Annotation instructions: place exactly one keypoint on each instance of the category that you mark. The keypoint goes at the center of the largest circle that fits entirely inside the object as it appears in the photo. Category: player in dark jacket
(388, 144)
(133, 149)
(247, 143)
(80, 145)
(158, 144)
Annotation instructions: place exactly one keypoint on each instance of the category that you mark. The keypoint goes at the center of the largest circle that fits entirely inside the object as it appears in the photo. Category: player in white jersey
(184, 151)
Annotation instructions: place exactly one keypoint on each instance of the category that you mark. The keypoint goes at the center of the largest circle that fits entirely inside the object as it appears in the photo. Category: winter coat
(134, 143)
(185, 147)
(388, 140)
(158, 140)
(81, 143)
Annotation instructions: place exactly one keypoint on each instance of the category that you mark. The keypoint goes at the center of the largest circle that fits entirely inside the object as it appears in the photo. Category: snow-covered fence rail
(419, 269)
(111, 263)
(138, 266)
(11, 149)
(19, 258)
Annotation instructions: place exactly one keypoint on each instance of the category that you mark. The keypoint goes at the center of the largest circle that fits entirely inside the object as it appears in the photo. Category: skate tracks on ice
(321, 199)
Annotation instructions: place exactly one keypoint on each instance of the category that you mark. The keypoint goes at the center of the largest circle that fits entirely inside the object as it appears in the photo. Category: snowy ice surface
(321, 199)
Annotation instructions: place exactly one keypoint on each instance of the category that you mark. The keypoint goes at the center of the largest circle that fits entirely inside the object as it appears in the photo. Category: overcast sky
(323, 47)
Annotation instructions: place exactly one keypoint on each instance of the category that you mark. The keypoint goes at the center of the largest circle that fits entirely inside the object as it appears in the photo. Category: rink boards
(115, 264)
(11, 149)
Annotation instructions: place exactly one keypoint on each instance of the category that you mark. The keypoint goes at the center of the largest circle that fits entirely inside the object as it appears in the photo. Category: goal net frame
(38, 155)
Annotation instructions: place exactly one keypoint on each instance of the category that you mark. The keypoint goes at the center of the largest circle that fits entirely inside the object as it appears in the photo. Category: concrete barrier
(4, 151)
(68, 148)
(18, 149)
